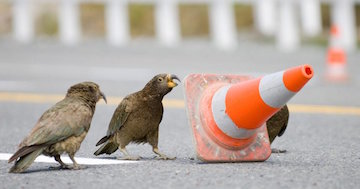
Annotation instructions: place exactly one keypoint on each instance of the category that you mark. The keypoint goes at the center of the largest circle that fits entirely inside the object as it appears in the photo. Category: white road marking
(67, 160)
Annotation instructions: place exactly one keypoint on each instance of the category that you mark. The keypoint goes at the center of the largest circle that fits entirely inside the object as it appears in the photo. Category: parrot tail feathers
(24, 151)
(108, 148)
(103, 140)
(25, 161)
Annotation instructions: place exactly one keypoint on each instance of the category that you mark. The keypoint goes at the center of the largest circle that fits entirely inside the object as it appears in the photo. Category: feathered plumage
(137, 118)
(61, 129)
(277, 124)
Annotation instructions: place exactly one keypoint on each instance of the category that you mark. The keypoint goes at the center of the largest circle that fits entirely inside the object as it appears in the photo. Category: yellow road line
(174, 103)
(53, 98)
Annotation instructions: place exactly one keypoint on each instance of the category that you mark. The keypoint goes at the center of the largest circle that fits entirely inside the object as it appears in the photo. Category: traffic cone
(336, 58)
(227, 113)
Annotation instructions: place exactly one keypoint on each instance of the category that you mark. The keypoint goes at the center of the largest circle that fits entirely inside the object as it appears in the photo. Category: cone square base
(208, 149)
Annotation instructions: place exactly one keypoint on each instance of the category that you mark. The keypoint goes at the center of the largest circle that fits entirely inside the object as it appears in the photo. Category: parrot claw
(164, 157)
(161, 155)
(275, 150)
(78, 167)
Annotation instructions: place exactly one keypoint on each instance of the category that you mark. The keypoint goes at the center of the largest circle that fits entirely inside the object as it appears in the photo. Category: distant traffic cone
(227, 113)
(336, 58)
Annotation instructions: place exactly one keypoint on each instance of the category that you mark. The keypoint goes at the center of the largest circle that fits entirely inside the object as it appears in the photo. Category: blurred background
(122, 21)
(108, 40)
(48, 45)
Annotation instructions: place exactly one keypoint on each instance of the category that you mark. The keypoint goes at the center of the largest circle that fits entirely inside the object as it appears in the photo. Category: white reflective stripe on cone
(273, 91)
(223, 121)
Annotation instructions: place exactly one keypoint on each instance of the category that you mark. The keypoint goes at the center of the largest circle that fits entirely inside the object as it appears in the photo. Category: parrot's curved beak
(170, 80)
(103, 96)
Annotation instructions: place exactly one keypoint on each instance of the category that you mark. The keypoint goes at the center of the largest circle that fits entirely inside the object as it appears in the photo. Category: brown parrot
(61, 129)
(276, 126)
(137, 118)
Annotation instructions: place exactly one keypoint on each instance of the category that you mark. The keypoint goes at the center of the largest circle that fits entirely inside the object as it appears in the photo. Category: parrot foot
(133, 158)
(164, 157)
(127, 156)
(78, 167)
(62, 164)
(75, 166)
(275, 150)
(161, 155)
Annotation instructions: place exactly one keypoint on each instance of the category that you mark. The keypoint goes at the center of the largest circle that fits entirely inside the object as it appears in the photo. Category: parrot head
(87, 90)
(162, 83)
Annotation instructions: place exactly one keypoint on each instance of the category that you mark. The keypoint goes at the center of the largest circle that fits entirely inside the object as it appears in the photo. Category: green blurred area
(194, 20)
(142, 22)
(5, 18)
(357, 18)
(46, 22)
(92, 18)
(244, 17)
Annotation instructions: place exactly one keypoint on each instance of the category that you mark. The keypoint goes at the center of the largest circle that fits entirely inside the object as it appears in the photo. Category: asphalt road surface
(322, 139)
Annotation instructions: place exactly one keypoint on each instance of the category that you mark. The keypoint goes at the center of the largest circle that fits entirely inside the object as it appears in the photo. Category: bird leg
(62, 164)
(152, 138)
(161, 155)
(127, 155)
(275, 150)
(76, 166)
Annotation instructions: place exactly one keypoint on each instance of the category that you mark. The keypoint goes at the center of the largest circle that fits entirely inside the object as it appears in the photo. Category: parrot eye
(91, 89)
(160, 79)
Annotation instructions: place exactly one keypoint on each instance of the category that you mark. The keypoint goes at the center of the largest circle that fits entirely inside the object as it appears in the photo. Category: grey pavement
(323, 149)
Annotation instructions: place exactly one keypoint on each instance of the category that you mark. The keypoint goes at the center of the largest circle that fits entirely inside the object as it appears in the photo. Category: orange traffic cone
(227, 112)
(336, 58)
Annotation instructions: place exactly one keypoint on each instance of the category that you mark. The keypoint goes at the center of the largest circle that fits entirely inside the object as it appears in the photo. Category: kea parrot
(276, 126)
(137, 118)
(60, 129)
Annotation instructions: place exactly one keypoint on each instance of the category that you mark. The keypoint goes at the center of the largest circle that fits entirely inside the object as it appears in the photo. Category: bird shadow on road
(154, 158)
(116, 158)
(53, 169)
